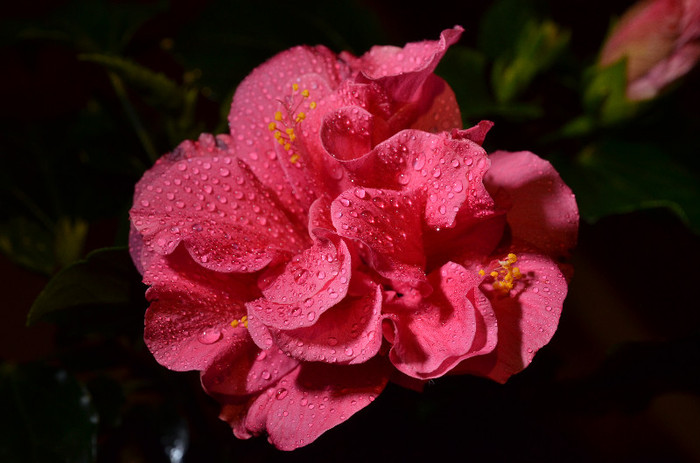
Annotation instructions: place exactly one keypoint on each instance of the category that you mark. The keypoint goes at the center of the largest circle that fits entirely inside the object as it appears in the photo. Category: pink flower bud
(661, 41)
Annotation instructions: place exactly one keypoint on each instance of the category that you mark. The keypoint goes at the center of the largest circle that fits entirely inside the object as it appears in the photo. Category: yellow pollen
(504, 274)
(284, 129)
(243, 321)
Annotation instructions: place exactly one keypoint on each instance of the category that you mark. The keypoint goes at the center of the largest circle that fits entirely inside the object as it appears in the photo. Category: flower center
(503, 274)
(242, 322)
(287, 120)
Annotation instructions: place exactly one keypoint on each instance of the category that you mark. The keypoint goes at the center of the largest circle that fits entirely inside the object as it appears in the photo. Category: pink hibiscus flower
(661, 41)
(343, 235)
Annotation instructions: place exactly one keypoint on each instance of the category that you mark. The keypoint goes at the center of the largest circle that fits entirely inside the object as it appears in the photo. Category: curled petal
(310, 284)
(246, 370)
(527, 318)
(402, 71)
(388, 224)
(456, 322)
(188, 324)
(447, 171)
(349, 333)
(541, 208)
(351, 132)
(213, 204)
(305, 404)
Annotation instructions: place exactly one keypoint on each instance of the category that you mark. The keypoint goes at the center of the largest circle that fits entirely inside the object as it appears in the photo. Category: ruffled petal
(441, 111)
(309, 284)
(305, 404)
(349, 333)
(541, 208)
(256, 101)
(246, 370)
(380, 219)
(213, 204)
(351, 132)
(402, 71)
(188, 324)
(527, 318)
(456, 322)
(447, 171)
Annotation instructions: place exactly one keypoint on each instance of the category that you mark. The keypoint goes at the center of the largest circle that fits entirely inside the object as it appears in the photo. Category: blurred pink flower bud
(661, 40)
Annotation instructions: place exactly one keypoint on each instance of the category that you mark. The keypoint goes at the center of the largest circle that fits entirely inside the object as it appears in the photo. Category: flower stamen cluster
(288, 121)
(504, 274)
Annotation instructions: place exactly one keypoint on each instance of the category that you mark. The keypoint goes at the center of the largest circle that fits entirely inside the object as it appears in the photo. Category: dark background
(619, 382)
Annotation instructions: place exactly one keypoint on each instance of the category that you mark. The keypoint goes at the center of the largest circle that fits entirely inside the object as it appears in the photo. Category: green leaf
(91, 25)
(605, 95)
(46, 415)
(28, 244)
(105, 278)
(158, 89)
(618, 177)
(537, 46)
(501, 27)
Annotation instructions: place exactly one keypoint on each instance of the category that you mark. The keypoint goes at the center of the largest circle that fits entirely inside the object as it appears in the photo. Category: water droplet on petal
(209, 336)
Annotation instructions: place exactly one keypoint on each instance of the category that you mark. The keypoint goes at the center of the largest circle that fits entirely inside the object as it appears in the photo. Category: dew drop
(209, 336)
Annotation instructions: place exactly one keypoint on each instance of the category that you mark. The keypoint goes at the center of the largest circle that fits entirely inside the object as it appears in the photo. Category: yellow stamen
(504, 274)
(242, 322)
(287, 119)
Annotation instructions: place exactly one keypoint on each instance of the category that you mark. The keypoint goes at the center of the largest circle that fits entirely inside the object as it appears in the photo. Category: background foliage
(94, 91)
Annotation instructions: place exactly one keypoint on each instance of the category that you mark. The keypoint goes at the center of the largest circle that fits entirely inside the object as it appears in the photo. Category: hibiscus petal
(246, 370)
(349, 333)
(309, 285)
(305, 404)
(442, 112)
(188, 324)
(542, 209)
(456, 322)
(448, 172)
(527, 318)
(256, 101)
(218, 209)
(402, 71)
(350, 132)
(380, 220)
